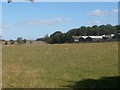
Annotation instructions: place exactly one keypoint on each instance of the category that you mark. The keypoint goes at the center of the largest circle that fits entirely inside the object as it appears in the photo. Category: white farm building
(91, 38)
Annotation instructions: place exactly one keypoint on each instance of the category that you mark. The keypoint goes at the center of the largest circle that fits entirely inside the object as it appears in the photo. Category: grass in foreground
(50, 66)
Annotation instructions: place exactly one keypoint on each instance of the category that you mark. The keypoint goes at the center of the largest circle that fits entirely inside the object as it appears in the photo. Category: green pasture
(57, 65)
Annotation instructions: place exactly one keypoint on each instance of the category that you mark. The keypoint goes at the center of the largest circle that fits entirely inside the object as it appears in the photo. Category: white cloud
(94, 22)
(44, 22)
(34, 23)
(98, 12)
(97, 22)
(115, 11)
(67, 19)
(7, 26)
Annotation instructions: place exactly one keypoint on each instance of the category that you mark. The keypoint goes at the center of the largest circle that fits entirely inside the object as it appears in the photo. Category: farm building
(92, 38)
(76, 38)
(81, 39)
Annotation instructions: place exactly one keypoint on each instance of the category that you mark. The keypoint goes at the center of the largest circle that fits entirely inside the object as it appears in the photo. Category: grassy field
(58, 65)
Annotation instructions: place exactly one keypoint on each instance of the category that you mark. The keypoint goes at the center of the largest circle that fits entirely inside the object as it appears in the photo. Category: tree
(116, 37)
(30, 41)
(83, 31)
(89, 31)
(68, 38)
(72, 32)
(6, 43)
(12, 41)
(95, 30)
(46, 38)
(59, 37)
(19, 40)
(40, 39)
(3, 40)
(24, 40)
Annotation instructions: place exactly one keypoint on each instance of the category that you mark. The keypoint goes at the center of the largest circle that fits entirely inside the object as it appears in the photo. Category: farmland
(57, 65)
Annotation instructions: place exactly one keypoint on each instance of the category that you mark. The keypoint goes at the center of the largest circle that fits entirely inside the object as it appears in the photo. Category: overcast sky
(33, 20)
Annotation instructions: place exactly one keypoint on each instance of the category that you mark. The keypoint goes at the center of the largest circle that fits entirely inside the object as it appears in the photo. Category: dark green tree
(12, 41)
(30, 42)
(57, 37)
(19, 40)
(6, 43)
(24, 40)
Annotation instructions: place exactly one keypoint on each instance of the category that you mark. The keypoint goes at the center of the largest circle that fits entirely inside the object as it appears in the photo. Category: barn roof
(77, 37)
(92, 37)
(96, 37)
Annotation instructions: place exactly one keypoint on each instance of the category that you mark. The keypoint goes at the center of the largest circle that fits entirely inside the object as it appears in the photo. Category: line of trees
(59, 37)
(19, 41)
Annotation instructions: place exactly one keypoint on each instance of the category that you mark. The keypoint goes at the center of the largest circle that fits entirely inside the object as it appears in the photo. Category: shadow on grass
(104, 82)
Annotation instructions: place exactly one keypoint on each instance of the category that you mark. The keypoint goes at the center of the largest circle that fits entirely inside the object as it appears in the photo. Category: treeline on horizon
(59, 37)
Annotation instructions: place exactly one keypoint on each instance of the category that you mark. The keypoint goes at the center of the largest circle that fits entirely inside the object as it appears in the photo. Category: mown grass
(51, 66)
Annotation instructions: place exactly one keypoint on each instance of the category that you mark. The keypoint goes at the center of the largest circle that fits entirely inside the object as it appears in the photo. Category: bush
(12, 42)
(6, 43)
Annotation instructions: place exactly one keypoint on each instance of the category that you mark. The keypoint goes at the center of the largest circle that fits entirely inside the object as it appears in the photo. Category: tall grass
(50, 66)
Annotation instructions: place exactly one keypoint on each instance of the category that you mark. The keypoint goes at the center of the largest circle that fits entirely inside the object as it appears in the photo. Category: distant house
(108, 37)
(84, 37)
(81, 39)
(96, 38)
(76, 38)
(92, 38)
(112, 35)
(88, 39)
